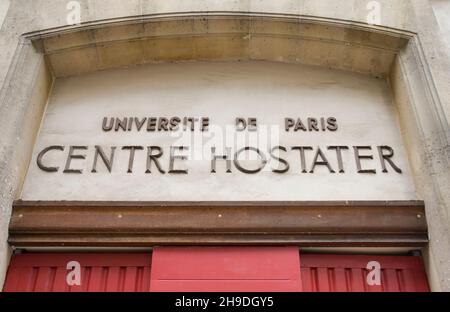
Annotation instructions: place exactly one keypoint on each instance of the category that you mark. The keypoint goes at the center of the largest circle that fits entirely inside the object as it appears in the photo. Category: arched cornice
(220, 36)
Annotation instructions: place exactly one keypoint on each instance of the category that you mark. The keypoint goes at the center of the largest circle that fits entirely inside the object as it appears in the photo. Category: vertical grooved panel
(420, 281)
(59, 283)
(122, 272)
(41, 280)
(34, 274)
(331, 280)
(22, 280)
(85, 284)
(130, 277)
(340, 280)
(323, 281)
(52, 279)
(308, 284)
(99, 272)
(95, 279)
(113, 280)
(139, 275)
(145, 280)
(348, 273)
(314, 279)
(348, 279)
(391, 281)
(409, 281)
(401, 282)
(104, 279)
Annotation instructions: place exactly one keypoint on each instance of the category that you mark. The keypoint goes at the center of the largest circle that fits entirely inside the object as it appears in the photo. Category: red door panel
(348, 273)
(99, 272)
(226, 269)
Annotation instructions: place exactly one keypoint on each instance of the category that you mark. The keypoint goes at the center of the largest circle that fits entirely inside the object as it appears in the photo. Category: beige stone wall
(441, 9)
(431, 176)
(221, 91)
(44, 14)
(4, 6)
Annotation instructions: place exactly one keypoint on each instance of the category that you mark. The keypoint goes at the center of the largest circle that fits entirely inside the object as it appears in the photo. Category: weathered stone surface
(420, 76)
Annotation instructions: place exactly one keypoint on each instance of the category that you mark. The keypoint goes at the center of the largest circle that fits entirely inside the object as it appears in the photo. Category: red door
(214, 269)
(112, 272)
(348, 273)
(226, 269)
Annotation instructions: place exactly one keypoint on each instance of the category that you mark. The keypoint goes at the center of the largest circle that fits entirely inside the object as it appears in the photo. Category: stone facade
(407, 46)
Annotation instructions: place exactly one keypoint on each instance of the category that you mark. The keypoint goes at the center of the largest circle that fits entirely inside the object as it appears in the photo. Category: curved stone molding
(234, 37)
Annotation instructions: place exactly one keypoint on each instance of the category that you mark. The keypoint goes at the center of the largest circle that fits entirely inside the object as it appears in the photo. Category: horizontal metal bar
(320, 223)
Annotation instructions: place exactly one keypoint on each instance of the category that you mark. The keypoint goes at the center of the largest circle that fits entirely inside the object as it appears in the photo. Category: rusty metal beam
(323, 223)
